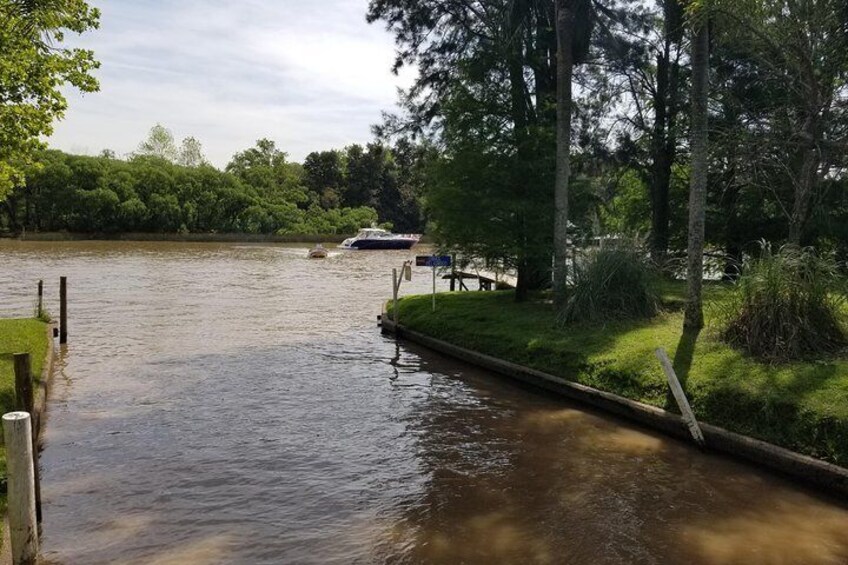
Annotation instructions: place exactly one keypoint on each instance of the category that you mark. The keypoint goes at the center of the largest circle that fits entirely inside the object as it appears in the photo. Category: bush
(786, 306)
(611, 283)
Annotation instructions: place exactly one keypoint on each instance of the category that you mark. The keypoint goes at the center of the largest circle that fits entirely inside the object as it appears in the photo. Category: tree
(565, 22)
(802, 46)
(486, 83)
(694, 313)
(191, 153)
(324, 176)
(34, 69)
(646, 65)
(159, 143)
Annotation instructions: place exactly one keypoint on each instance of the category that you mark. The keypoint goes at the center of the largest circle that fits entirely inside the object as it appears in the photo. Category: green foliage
(611, 283)
(263, 194)
(35, 67)
(336, 220)
(787, 306)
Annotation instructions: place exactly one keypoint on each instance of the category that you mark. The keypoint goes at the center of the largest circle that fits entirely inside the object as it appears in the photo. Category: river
(223, 403)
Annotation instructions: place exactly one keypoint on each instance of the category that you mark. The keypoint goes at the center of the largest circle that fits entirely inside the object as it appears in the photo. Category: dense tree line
(733, 112)
(164, 187)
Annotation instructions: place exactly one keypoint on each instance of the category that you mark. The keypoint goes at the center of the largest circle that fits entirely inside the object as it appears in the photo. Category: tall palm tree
(574, 21)
(694, 314)
(565, 68)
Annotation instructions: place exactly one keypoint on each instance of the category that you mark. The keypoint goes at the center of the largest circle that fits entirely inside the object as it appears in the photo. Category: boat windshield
(372, 233)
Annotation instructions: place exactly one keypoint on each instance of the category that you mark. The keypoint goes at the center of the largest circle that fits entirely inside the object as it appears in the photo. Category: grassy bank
(802, 406)
(17, 336)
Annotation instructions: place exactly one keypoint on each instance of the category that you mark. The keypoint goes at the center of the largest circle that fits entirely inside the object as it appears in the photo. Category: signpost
(433, 261)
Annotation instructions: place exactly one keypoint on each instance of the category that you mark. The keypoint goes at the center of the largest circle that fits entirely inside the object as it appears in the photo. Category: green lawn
(17, 336)
(802, 406)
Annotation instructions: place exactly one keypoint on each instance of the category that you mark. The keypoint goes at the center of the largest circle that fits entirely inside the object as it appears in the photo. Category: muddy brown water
(227, 403)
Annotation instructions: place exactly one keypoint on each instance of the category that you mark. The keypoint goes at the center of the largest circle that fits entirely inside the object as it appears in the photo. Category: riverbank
(187, 237)
(800, 406)
(19, 336)
(184, 237)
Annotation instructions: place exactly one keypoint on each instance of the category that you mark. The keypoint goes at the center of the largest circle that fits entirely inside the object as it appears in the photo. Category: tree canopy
(34, 67)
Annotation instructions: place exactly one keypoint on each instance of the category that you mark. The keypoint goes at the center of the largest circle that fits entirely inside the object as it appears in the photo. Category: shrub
(614, 282)
(786, 306)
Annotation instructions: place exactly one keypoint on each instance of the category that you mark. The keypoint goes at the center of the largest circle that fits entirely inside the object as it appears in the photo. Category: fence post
(40, 298)
(25, 402)
(23, 530)
(63, 310)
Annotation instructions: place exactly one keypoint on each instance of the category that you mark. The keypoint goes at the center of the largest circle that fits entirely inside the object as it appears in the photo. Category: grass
(802, 406)
(17, 336)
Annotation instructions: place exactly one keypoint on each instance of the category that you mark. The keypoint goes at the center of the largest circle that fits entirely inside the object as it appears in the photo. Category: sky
(309, 74)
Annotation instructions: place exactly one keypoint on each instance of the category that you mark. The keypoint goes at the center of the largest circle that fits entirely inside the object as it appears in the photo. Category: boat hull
(369, 244)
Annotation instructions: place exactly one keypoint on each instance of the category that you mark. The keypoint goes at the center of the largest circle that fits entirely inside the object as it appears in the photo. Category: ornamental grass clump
(612, 283)
(787, 306)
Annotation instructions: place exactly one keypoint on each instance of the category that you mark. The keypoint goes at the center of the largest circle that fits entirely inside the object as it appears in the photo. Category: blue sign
(433, 261)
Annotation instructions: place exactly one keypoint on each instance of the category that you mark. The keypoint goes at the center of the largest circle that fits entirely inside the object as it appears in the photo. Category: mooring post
(24, 398)
(680, 397)
(40, 298)
(23, 529)
(395, 296)
(63, 310)
(25, 402)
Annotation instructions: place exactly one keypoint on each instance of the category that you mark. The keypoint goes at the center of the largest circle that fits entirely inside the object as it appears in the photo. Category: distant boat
(317, 252)
(374, 238)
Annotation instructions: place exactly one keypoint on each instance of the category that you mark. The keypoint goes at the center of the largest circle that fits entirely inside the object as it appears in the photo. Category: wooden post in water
(23, 530)
(25, 402)
(395, 289)
(40, 298)
(63, 310)
(680, 397)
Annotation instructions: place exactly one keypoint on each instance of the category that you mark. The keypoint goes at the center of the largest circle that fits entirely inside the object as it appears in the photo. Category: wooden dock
(483, 282)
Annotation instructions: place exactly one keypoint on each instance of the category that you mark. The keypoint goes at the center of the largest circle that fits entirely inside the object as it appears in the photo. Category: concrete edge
(825, 476)
(45, 382)
(41, 391)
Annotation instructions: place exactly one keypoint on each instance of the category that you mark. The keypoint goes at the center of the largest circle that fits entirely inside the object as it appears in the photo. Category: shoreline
(179, 237)
(824, 476)
(183, 237)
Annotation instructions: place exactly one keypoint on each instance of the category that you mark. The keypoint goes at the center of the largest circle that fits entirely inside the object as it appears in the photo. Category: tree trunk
(694, 315)
(565, 68)
(663, 138)
(806, 185)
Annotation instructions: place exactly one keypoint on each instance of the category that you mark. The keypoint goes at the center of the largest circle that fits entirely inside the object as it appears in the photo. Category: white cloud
(310, 75)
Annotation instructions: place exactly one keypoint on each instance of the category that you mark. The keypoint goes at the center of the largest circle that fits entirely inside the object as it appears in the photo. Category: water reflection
(235, 404)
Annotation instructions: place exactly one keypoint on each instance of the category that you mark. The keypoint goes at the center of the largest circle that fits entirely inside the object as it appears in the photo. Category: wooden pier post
(23, 529)
(25, 402)
(63, 310)
(40, 298)
(24, 398)
(395, 284)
